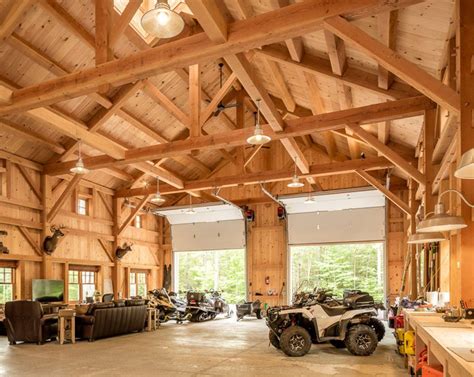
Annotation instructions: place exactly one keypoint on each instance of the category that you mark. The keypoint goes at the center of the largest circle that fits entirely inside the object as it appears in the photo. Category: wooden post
(466, 57)
(117, 271)
(46, 197)
(413, 248)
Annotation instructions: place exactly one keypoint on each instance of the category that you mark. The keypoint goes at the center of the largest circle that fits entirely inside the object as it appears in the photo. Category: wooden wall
(88, 238)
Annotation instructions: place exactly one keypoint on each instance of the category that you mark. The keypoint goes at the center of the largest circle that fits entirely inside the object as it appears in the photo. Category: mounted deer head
(3, 249)
(123, 250)
(51, 242)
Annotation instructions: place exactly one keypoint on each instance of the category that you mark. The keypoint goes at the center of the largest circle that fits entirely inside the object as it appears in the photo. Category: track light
(295, 181)
(441, 221)
(79, 167)
(258, 137)
(157, 198)
(162, 22)
(465, 168)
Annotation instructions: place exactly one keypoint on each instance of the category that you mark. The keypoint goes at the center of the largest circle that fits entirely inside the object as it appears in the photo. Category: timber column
(117, 274)
(46, 200)
(465, 37)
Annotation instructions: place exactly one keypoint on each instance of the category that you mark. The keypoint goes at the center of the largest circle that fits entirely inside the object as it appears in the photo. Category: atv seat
(334, 310)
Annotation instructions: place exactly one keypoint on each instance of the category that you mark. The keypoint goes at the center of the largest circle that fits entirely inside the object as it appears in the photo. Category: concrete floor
(218, 348)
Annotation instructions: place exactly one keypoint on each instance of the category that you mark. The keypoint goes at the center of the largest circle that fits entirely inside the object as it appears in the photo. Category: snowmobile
(249, 308)
(168, 306)
(203, 308)
(352, 324)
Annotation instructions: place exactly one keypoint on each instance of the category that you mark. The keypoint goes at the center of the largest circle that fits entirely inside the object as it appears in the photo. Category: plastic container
(428, 371)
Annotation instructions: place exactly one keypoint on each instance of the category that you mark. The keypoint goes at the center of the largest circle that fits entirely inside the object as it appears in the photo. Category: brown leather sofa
(26, 322)
(110, 319)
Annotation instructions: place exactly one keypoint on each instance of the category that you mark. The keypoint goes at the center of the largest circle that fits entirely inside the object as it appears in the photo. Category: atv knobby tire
(295, 341)
(378, 326)
(274, 341)
(361, 340)
(338, 343)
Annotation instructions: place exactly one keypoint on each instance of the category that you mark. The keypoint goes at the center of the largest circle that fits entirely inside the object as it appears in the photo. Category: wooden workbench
(438, 336)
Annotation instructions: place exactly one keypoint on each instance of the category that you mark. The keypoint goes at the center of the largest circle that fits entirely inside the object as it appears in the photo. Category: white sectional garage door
(212, 227)
(336, 218)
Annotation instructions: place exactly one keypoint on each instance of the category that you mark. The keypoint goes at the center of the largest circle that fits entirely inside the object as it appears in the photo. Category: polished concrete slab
(218, 348)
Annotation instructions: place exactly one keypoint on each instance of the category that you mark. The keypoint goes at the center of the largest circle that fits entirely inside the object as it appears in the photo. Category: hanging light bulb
(258, 137)
(190, 210)
(162, 22)
(157, 198)
(79, 168)
(295, 181)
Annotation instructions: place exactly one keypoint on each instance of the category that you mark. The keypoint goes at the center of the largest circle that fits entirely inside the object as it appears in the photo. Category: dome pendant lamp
(295, 181)
(258, 137)
(162, 22)
(79, 168)
(157, 198)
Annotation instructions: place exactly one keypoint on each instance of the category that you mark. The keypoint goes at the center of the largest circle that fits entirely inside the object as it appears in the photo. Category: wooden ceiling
(313, 72)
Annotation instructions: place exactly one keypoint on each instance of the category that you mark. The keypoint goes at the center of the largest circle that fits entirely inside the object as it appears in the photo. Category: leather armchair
(26, 322)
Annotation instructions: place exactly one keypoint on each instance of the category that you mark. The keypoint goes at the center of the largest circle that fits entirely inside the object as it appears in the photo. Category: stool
(67, 325)
(151, 323)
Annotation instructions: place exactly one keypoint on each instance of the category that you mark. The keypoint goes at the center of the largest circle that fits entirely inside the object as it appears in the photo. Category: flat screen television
(45, 290)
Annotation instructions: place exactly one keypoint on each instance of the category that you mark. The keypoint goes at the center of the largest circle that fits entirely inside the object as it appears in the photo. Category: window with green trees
(339, 267)
(6, 284)
(218, 269)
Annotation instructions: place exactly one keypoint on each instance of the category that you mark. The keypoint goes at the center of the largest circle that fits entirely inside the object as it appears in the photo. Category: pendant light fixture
(422, 238)
(157, 198)
(258, 137)
(79, 168)
(441, 221)
(190, 210)
(465, 168)
(295, 181)
(162, 22)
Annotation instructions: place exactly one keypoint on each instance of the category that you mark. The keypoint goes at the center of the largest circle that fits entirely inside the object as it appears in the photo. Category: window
(6, 284)
(138, 284)
(339, 267)
(81, 285)
(138, 222)
(82, 206)
(215, 269)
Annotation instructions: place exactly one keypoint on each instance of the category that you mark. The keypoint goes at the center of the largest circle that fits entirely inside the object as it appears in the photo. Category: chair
(108, 297)
(26, 322)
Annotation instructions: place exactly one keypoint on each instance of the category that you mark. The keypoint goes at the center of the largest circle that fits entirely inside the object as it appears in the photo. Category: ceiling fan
(221, 106)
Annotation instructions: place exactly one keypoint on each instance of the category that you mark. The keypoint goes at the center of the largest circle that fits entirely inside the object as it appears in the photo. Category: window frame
(135, 282)
(86, 206)
(81, 271)
(12, 280)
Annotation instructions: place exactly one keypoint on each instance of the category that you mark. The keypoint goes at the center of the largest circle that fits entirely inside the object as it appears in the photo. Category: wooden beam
(31, 136)
(64, 196)
(392, 156)
(271, 27)
(294, 127)
(336, 52)
(13, 17)
(318, 170)
(6, 95)
(279, 81)
(104, 246)
(76, 130)
(195, 100)
(25, 232)
(123, 21)
(166, 103)
(386, 27)
(353, 76)
(210, 18)
(389, 194)
(68, 21)
(394, 62)
(133, 213)
(383, 132)
(30, 181)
